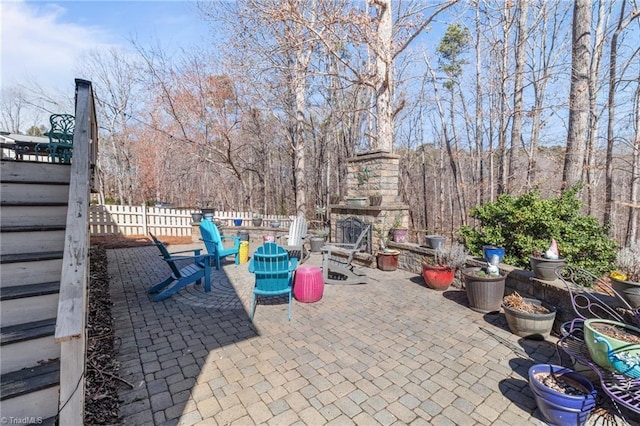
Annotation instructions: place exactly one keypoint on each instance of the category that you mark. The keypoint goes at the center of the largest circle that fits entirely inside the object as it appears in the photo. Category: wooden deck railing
(72, 306)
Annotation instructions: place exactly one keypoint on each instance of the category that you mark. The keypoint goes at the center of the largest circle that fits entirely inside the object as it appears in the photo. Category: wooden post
(145, 231)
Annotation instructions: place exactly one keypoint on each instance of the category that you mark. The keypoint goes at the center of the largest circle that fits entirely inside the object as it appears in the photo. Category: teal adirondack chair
(274, 273)
(194, 272)
(213, 242)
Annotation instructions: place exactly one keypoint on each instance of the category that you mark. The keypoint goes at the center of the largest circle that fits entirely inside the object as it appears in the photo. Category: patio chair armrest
(195, 258)
(344, 245)
(230, 237)
(293, 264)
(196, 252)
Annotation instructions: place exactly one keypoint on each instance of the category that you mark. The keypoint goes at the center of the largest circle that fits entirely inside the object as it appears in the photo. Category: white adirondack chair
(294, 243)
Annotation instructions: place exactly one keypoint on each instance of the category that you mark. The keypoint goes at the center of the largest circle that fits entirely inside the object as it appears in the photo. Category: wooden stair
(33, 214)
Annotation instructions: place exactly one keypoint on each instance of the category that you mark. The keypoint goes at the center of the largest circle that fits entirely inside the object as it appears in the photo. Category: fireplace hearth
(349, 229)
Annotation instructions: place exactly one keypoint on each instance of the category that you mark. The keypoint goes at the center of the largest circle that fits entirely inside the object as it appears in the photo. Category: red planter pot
(388, 261)
(437, 277)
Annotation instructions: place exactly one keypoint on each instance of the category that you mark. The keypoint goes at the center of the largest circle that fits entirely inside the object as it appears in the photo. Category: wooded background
(479, 98)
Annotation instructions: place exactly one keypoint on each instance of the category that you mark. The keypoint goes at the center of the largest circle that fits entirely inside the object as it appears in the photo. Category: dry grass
(515, 301)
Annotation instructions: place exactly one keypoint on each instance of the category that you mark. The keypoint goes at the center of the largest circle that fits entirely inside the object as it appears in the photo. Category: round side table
(308, 285)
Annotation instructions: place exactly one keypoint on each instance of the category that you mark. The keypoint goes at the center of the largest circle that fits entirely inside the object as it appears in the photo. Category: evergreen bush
(522, 224)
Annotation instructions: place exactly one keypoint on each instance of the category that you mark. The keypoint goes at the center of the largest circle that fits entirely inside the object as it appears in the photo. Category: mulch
(102, 380)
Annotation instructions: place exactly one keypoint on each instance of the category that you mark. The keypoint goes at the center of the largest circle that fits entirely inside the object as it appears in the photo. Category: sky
(42, 40)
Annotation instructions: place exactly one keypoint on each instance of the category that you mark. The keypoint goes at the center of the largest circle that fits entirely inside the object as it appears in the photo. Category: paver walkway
(388, 352)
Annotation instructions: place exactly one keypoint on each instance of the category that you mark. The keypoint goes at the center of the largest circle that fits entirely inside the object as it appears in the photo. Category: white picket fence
(140, 220)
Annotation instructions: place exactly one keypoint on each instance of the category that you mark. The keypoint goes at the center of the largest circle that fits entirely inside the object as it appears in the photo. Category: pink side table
(308, 285)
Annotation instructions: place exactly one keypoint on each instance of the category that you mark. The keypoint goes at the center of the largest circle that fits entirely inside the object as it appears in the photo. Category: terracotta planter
(485, 293)
(437, 277)
(545, 269)
(388, 260)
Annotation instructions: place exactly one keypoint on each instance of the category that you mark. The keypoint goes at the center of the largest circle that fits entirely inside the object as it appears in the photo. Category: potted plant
(528, 318)
(317, 241)
(544, 265)
(375, 199)
(360, 200)
(613, 345)
(439, 272)
(387, 259)
(485, 288)
(274, 224)
(237, 222)
(196, 217)
(626, 278)
(434, 241)
(357, 201)
(399, 232)
(489, 250)
(563, 396)
(256, 220)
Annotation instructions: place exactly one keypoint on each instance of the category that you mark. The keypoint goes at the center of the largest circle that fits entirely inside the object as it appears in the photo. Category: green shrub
(526, 223)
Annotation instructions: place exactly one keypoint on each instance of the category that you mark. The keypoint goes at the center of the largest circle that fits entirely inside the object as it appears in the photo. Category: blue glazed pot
(556, 407)
(237, 222)
(489, 251)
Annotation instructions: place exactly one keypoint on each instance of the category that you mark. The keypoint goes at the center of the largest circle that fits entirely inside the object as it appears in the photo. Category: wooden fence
(140, 220)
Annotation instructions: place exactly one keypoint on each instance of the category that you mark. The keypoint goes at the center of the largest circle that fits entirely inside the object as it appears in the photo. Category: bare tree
(623, 22)
(516, 169)
(579, 94)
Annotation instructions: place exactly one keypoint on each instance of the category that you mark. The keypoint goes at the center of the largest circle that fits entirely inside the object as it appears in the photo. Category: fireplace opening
(348, 230)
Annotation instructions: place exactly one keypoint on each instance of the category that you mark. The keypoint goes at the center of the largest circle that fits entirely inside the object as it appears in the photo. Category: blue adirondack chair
(274, 273)
(194, 272)
(213, 242)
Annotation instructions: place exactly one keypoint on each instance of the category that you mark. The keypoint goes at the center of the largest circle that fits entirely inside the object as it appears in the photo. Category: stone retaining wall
(553, 293)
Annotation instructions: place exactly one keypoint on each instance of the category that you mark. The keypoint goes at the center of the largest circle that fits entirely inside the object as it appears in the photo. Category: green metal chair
(61, 137)
(274, 273)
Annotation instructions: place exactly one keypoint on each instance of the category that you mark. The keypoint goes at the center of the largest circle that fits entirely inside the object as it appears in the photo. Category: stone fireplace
(368, 174)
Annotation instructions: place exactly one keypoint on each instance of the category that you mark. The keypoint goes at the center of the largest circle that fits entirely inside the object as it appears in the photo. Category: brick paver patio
(388, 352)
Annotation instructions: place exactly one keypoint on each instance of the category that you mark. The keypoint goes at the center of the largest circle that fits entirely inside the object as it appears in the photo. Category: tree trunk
(579, 94)
(479, 132)
(384, 79)
(516, 175)
(634, 208)
(592, 134)
(503, 166)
